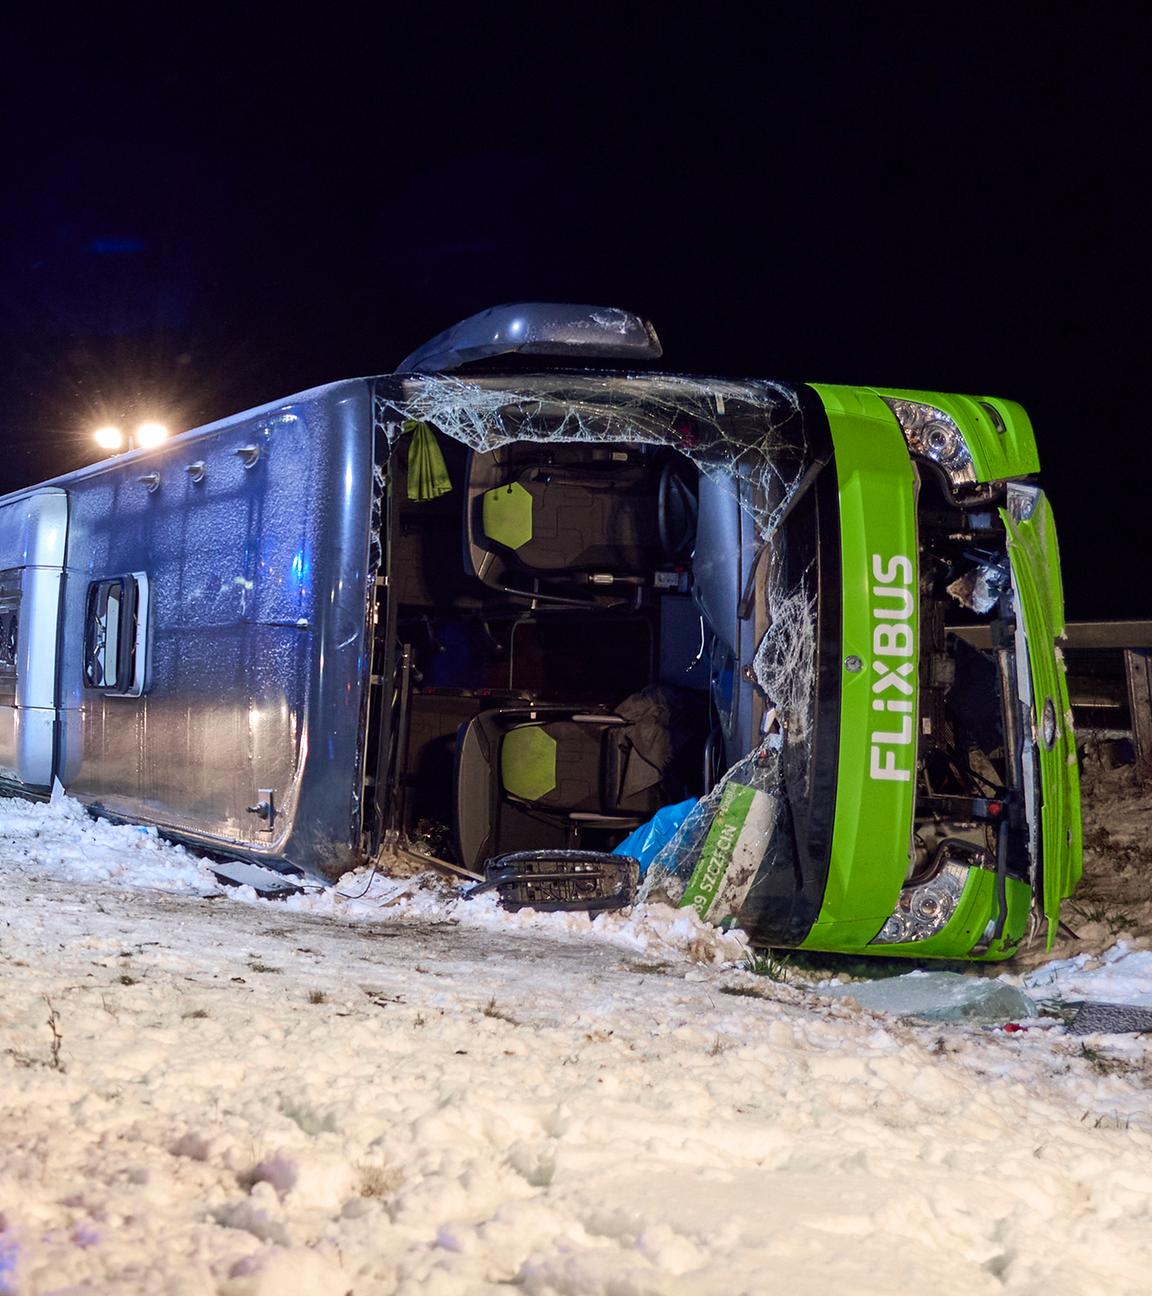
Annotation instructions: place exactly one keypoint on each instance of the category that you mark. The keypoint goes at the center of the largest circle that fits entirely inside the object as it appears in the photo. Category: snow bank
(62, 840)
(407, 1093)
(654, 929)
(1119, 975)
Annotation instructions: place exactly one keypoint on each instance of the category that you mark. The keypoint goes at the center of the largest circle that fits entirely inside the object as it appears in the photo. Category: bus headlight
(924, 910)
(932, 434)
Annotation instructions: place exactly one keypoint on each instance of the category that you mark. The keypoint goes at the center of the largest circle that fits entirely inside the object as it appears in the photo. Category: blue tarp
(644, 843)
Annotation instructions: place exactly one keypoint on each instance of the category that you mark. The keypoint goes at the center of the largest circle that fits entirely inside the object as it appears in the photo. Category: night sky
(199, 221)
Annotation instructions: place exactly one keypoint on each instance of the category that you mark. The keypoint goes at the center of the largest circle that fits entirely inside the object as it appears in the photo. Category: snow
(1119, 975)
(405, 1092)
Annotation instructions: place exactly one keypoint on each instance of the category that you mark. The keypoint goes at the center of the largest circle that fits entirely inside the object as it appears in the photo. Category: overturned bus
(512, 599)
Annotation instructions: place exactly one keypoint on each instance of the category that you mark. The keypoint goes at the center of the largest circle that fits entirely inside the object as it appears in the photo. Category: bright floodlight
(151, 434)
(109, 438)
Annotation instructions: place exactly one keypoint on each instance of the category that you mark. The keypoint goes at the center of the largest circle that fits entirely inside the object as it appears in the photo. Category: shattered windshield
(731, 430)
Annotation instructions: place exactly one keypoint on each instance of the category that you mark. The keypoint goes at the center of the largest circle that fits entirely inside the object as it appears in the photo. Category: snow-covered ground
(403, 1092)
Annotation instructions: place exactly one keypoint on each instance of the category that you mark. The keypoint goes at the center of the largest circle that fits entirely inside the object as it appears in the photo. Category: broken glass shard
(940, 997)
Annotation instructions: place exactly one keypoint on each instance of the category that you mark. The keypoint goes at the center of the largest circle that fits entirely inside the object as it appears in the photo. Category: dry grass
(379, 1181)
(491, 1009)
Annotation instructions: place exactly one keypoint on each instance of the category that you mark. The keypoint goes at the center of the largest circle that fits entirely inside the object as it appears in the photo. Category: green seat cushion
(507, 513)
(528, 762)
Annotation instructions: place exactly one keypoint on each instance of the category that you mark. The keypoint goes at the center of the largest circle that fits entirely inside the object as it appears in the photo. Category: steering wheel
(676, 509)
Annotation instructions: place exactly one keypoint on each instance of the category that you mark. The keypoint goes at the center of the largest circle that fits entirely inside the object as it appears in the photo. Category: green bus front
(931, 796)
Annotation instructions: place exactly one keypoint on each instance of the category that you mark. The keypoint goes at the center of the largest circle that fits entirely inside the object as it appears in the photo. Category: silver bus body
(245, 549)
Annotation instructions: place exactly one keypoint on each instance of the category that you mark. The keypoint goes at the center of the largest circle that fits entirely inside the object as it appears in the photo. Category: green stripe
(719, 846)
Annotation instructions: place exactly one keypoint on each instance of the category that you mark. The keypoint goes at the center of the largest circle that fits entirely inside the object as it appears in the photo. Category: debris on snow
(940, 997)
(1110, 1019)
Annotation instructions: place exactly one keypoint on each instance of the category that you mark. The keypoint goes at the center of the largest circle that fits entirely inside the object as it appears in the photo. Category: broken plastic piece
(981, 587)
(731, 853)
(266, 882)
(1111, 1019)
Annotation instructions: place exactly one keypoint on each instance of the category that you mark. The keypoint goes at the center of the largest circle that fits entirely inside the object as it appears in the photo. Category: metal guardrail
(1109, 677)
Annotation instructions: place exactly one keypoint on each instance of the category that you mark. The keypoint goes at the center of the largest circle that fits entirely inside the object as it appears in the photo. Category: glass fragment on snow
(940, 996)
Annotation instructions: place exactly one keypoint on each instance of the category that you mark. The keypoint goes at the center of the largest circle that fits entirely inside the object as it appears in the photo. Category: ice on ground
(1120, 975)
(940, 997)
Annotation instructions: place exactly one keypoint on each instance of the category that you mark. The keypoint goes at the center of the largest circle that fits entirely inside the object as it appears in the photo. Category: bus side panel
(254, 544)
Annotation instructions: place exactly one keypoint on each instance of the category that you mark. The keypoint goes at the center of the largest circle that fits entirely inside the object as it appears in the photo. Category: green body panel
(1019, 896)
(873, 821)
(1035, 558)
(528, 762)
(872, 831)
(977, 908)
(995, 455)
(507, 515)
